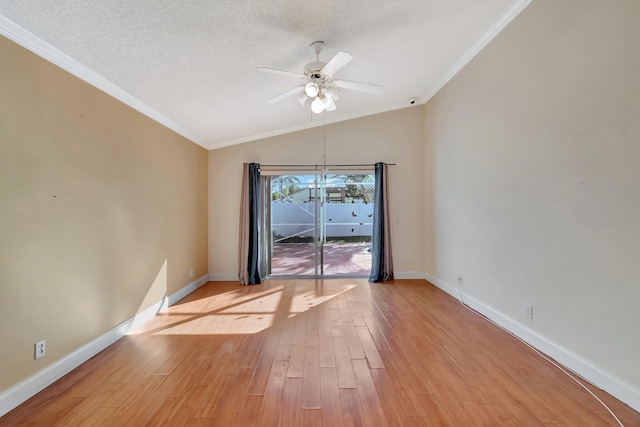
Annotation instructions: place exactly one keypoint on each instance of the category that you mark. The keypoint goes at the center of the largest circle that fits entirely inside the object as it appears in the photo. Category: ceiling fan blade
(283, 73)
(340, 60)
(287, 94)
(362, 87)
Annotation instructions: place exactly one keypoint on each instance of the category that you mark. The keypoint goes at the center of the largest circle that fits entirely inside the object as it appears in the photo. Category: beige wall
(102, 212)
(394, 137)
(519, 175)
(535, 146)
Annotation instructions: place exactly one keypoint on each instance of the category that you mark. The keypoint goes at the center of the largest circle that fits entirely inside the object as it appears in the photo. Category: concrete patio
(340, 258)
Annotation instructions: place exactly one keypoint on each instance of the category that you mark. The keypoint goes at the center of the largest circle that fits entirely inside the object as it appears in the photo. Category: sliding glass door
(317, 225)
(292, 225)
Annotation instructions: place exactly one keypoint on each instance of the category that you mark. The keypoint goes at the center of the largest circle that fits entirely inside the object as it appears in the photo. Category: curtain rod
(316, 166)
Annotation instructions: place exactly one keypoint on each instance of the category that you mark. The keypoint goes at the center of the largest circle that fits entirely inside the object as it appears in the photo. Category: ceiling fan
(319, 83)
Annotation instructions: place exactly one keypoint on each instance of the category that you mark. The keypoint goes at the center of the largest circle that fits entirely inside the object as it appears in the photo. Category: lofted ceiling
(192, 65)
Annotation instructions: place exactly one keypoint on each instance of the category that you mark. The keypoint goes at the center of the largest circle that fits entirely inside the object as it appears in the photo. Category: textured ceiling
(192, 65)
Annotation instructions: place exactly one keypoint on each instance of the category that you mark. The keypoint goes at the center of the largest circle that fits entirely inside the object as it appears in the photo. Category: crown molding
(31, 42)
(495, 29)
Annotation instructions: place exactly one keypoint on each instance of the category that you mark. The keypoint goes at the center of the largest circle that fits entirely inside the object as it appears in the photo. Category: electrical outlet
(40, 349)
(528, 311)
(191, 272)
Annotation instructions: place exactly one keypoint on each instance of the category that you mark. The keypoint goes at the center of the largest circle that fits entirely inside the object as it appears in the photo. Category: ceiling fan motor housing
(314, 67)
(312, 71)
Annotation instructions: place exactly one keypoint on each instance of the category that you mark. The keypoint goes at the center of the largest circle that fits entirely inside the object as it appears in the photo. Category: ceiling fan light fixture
(302, 98)
(319, 84)
(317, 106)
(333, 92)
(311, 89)
(329, 105)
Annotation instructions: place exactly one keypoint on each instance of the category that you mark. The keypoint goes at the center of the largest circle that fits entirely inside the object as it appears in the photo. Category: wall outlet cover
(528, 311)
(40, 349)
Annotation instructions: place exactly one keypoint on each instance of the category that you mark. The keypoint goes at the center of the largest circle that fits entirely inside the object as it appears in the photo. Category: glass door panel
(294, 209)
(348, 224)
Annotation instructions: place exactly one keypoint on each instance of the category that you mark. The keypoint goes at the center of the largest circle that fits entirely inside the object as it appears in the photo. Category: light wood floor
(304, 353)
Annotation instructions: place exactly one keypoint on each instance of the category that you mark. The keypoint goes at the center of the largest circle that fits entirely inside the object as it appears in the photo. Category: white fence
(342, 219)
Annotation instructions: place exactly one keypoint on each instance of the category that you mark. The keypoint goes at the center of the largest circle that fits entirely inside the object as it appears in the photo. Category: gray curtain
(382, 261)
(248, 246)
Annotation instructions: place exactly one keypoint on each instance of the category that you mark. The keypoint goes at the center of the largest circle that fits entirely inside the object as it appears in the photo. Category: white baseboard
(223, 277)
(440, 284)
(409, 275)
(396, 275)
(181, 293)
(595, 375)
(21, 392)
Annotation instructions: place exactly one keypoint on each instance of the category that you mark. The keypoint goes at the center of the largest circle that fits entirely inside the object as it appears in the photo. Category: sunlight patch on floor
(239, 312)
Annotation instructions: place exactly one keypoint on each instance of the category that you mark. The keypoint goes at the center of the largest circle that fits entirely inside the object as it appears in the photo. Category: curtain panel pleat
(381, 258)
(249, 244)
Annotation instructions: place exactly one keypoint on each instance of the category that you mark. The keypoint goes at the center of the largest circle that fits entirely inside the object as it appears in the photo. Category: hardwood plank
(313, 328)
(393, 396)
(479, 413)
(369, 348)
(185, 374)
(325, 345)
(262, 371)
(502, 414)
(270, 410)
(233, 404)
(434, 413)
(248, 416)
(252, 351)
(369, 401)
(330, 397)
(346, 377)
(220, 392)
(311, 382)
(291, 411)
(167, 410)
(298, 347)
(356, 313)
(353, 341)
(376, 334)
(448, 400)
(351, 410)
(283, 352)
(311, 417)
(343, 307)
(42, 415)
(325, 352)
(324, 318)
(336, 322)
